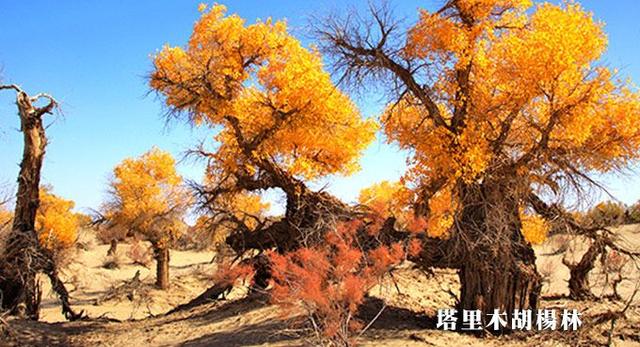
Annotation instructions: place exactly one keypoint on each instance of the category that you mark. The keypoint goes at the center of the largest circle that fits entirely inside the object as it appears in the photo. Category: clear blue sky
(93, 57)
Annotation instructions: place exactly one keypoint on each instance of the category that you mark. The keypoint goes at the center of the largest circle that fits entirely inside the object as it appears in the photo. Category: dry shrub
(330, 282)
(107, 233)
(613, 264)
(633, 213)
(140, 253)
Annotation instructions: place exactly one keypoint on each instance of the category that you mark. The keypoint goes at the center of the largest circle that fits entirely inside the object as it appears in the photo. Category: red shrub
(330, 283)
(228, 274)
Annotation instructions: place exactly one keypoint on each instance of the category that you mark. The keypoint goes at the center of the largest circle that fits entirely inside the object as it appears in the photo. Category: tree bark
(19, 287)
(498, 269)
(579, 272)
(162, 266)
(24, 257)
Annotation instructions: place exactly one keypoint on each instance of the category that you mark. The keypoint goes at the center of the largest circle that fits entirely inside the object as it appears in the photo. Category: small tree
(613, 265)
(148, 198)
(5, 218)
(278, 119)
(5, 214)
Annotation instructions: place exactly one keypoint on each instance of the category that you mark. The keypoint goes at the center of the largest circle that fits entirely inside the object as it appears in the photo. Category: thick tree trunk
(505, 282)
(498, 270)
(162, 266)
(579, 273)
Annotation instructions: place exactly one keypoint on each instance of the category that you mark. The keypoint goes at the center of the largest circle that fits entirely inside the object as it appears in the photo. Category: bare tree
(23, 256)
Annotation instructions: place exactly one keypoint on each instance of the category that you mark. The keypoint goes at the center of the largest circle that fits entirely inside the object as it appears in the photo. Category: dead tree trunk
(24, 257)
(498, 268)
(579, 272)
(161, 253)
(20, 289)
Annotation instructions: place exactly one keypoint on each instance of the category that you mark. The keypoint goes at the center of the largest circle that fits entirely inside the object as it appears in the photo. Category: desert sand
(412, 299)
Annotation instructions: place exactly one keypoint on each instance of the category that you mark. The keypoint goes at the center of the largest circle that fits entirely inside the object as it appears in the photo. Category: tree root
(214, 293)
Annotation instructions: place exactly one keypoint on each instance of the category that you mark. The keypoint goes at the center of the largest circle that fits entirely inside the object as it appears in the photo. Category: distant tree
(5, 218)
(633, 213)
(606, 213)
(147, 196)
(5, 213)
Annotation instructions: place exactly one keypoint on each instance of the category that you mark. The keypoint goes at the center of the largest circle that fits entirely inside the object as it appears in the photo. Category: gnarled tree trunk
(19, 286)
(23, 257)
(579, 272)
(498, 267)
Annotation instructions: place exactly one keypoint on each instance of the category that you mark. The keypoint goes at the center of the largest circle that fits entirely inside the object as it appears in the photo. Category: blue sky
(93, 57)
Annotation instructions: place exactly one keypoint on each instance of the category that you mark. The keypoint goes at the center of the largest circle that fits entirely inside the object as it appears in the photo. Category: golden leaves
(149, 194)
(386, 198)
(442, 206)
(435, 36)
(6, 217)
(498, 69)
(534, 228)
(265, 79)
(57, 225)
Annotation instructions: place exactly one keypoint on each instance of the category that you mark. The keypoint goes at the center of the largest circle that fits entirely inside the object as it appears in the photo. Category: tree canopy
(270, 97)
(147, 196)
(492, 89)
(56, 223)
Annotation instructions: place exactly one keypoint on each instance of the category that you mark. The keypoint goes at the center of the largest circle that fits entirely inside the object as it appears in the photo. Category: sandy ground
(89, 283)
(408, 319)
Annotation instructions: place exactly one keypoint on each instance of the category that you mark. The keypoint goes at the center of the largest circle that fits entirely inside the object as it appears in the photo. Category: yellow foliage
(520, 92)
(442, 207)
(386, 198)
(5, 217)
(57, 225)
(394, 199)
(264, 79)
(148, 195)
(534, 228)
(247, 208)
